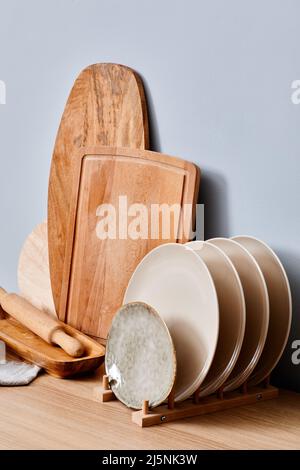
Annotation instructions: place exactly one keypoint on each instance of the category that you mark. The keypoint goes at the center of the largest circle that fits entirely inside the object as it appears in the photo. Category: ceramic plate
(232, 314)
(257, 310)
(280, 306)
(140, 358)
(176, 282)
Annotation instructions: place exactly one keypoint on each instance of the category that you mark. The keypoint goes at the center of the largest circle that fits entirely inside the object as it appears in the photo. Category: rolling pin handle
(69, 344)
(40, 323)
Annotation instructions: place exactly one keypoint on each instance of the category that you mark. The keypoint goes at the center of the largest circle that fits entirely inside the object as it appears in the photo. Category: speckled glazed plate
(140, 358)
(257, 310)
(280, 305)
(232, 314)
(177, 283)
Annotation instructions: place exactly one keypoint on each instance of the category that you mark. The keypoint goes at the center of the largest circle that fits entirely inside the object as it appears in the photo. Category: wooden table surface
(53, 413)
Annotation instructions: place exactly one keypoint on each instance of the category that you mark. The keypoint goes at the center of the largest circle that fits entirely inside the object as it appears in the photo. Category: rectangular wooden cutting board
(96, 271)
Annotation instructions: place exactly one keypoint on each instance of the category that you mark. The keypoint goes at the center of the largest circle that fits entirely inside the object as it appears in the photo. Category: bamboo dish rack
(194, 406)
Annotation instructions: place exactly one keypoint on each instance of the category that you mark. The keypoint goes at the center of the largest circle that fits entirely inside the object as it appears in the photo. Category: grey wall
(219, 79)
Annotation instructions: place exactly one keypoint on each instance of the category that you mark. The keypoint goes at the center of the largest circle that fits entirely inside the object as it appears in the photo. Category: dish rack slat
(195, 406)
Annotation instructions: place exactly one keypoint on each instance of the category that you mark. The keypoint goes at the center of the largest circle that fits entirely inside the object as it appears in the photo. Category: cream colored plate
(232, 314)
(140, 358)
(177, 283)
(280, 305)
(257, 310)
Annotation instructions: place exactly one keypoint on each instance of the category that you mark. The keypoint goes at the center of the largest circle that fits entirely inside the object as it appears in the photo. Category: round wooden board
(106, 107)
(33, 270)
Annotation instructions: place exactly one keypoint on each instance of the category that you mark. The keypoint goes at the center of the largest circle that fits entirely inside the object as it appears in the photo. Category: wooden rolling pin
(37, 321)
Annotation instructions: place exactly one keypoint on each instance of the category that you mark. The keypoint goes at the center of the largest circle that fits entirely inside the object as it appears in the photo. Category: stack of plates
(224, 305)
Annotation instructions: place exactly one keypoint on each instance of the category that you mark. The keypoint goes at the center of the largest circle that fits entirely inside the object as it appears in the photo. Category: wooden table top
(53, 413)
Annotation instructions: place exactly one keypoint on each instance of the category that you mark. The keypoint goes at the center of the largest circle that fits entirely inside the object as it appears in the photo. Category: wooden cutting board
(96, 271)
(107, 107)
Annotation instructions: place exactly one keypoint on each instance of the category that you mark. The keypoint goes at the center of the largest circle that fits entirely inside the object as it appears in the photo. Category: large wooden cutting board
(106, 107)
(96, 271)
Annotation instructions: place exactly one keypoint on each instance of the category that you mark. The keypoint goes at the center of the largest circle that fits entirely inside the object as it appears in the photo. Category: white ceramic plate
(176, 282)
(280, 306)
(257, 310)
(232, 314)
(140, 357)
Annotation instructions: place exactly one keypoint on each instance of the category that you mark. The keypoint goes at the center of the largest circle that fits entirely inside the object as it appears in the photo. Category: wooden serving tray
(53, 359)
(96, 272)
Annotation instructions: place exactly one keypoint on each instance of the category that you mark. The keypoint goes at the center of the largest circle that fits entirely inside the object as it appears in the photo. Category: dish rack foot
(104, 393)
(193, 407)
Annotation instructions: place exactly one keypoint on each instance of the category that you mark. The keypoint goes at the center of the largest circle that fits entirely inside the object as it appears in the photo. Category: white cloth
(17, 373)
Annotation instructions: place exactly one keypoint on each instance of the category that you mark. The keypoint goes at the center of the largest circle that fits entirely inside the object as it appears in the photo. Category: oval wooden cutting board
(106, 107)
(97, 269)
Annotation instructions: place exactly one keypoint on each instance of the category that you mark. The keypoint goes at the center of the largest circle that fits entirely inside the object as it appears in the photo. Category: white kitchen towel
(14, 373)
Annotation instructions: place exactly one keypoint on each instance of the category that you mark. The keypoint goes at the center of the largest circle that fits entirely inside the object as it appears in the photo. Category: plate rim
(181, 247)
(213, 386)
(171, 342)
(236, 382)
(289, 293)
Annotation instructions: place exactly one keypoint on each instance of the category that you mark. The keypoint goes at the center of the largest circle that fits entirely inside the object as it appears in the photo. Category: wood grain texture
(211, 404)
(96, 272)
(60, 414)
(106, 106)
(57, 363)
(33, 270)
